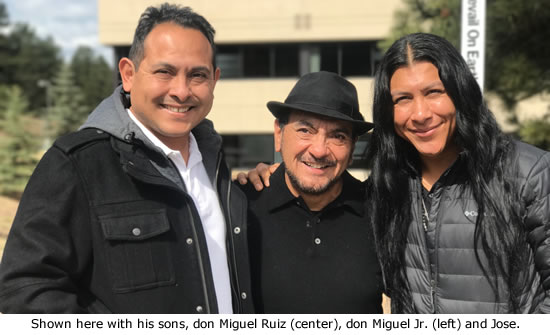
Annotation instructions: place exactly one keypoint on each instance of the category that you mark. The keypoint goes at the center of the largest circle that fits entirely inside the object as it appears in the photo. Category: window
(245, 151)
(286, 61)
(329, 58)
(295, 59)
(256, 61)
(355, 60)
(359, 159)
(230, 60)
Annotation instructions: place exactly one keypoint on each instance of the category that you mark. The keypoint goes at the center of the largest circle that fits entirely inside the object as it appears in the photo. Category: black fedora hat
(327, 94)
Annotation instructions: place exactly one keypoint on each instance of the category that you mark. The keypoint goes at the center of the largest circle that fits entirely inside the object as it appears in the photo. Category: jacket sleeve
(48, 248)
(536, 194)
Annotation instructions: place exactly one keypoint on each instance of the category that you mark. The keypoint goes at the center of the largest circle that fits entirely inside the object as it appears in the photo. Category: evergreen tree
(68, 111)
(4, 21)
(536, 132)
(93, 75)
(25, 59)
(18, 148)
(440, 17)
(3, 15)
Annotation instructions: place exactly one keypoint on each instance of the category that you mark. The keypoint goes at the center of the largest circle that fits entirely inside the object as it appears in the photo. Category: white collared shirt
(206, 201)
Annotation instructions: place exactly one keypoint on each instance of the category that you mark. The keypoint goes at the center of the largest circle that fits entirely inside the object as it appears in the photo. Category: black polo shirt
(312, 262)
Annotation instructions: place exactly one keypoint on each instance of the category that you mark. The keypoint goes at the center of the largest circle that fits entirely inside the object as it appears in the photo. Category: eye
(302, 130)
(401, 99)
(163, 73)
(341, 137)
(198, 77)
(435, 91)
(338, 139)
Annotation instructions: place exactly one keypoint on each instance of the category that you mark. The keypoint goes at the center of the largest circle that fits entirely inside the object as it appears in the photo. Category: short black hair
(182, 16)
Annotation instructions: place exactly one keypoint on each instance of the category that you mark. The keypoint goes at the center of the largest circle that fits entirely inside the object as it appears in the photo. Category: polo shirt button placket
(317, 239)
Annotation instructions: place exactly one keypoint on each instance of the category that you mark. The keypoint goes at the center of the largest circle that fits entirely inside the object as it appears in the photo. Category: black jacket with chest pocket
(105, 225)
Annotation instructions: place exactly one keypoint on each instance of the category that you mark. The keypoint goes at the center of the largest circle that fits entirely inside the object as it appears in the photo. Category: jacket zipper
(232, 262)
(423, 209)
(436, 265)
(197, 245)
(195, 234)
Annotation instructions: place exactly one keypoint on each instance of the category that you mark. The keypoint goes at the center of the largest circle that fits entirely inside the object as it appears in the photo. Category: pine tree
(537, 131)
(25, 58)
(93, 75)
(68, 111)
(18, 148)
(440, 17)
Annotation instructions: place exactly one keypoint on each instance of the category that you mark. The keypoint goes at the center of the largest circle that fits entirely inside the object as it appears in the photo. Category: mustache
(318, 161)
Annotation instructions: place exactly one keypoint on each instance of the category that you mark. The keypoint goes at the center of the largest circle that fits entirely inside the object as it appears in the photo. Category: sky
(71, 23)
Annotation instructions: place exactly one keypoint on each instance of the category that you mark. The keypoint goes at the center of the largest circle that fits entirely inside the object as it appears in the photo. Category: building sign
(473, 37)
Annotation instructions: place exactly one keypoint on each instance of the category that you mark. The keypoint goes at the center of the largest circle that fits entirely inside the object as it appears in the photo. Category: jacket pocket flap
(135, 227)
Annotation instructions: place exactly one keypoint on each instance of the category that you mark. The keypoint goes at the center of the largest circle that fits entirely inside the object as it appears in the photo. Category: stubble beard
(310, 190)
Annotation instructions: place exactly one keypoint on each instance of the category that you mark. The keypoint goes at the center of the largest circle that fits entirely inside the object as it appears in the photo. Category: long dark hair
(484, 151)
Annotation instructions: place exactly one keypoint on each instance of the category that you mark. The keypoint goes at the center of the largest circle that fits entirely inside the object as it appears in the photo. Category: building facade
(264, 46)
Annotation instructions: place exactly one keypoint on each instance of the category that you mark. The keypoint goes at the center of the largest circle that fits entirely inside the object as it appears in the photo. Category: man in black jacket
(311, 247)
(135, 213)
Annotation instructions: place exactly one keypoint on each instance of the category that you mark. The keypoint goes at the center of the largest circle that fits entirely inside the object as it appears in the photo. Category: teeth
(178, 110)
(315, 166)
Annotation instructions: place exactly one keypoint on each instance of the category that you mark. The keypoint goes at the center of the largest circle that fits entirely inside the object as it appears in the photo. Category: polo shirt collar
(278, 191)
(353, 193)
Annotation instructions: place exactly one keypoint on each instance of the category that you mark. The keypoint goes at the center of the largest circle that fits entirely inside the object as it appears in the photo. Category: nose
(319, 146)
(421, 111)
(180, 89)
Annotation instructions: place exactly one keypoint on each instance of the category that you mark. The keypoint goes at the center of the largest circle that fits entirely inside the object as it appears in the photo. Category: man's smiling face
(172, 88)
(316, 151)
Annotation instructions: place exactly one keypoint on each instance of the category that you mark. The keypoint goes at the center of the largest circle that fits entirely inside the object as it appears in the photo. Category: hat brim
(279, 109)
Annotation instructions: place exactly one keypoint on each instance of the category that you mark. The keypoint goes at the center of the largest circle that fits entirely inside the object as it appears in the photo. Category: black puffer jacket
(442, 271)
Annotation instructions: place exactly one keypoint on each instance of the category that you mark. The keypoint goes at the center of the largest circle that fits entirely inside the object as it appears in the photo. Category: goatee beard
(310, 190)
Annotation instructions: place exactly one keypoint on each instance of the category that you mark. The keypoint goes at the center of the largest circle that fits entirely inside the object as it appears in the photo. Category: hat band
(342, 107)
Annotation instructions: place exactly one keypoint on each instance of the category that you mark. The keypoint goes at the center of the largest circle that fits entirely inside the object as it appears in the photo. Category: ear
(352, 150)
(217, 73)
(127, 72)
(277, 136)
